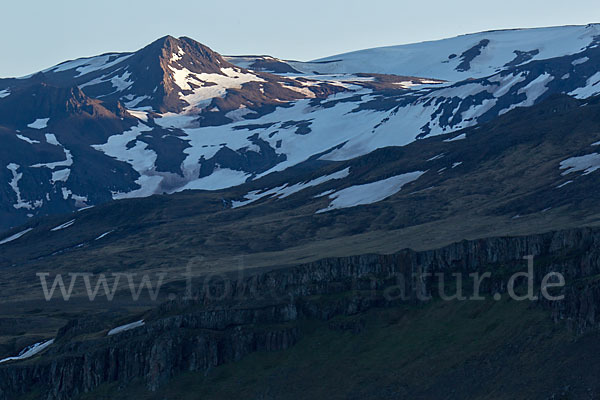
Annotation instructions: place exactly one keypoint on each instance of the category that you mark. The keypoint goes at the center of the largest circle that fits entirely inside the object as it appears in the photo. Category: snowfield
(30, 351)
(15, 236)
(587, 163)
(434, 59)
(63, 226)
(39, 123)
(369, 193)
(126, 327)
(281, 192)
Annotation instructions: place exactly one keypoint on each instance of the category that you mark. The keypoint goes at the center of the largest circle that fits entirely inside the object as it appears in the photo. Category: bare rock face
(230, 319)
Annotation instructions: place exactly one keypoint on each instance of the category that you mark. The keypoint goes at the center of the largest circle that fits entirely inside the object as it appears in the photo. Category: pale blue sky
(37, 34)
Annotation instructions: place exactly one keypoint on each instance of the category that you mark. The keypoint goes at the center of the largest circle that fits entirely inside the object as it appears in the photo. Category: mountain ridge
(188, 118)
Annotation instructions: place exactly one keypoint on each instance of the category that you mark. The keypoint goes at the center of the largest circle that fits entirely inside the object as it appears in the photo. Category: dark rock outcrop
(231, 318)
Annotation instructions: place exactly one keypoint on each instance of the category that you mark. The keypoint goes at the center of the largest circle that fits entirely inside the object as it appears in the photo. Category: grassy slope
(443, 350)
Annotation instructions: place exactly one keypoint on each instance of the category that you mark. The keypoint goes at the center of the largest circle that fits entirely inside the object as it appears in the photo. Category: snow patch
(139, 157)
(135, 101)
(563, 184)
(51, 139)
(533, 90)
(15, 236)
(204, 86)
(587, 163)
(286, 190)
(126, 327)
(141, 115)
(61, 175)
(580, 61)
(39, 123)
(370, 192)
(221, 178)
(67, 162)
(104, 235)
(14, 184)
(29, 351)
(591, 88)
(26, 139)
(436, 157)
(86, 65)
(63, 226)
(462, 136)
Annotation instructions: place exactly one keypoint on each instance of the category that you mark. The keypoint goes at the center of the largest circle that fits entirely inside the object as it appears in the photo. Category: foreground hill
(531, 170)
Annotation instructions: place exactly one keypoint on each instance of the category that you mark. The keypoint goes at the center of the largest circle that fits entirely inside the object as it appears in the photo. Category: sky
(38, 34)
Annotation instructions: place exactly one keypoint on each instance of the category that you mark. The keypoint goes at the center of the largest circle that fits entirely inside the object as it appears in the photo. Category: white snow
(39, 123)
(533, 90)
(26, 139)
(177, 56)
(126, 327)
(80, 201)
(63, 226)
(220, 178)
(219, 83)
(456, 164)
(431, 59)
(86, 65)
(238, 115)
(141, 115)
(30, 351)
(4, 93)
(506, 82)
(14, 184)
(286, 190)
(51, 139)
(119, 82)
(15, 236)
(587, 163)
(135, 101)
(325, 193)
(563, 184)
(370, 192)
(104, 234)
(580, 61)
(591, 88)
(330, 127)
(61, 175)
(462, 136)
(437, 157)
(139, 157)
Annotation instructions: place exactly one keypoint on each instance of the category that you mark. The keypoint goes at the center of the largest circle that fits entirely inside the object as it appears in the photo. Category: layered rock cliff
(227, 319)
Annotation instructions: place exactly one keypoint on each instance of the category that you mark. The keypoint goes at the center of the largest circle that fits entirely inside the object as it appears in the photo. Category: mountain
(471, 56)
(314, 188)
(191, 119)
(165, 99)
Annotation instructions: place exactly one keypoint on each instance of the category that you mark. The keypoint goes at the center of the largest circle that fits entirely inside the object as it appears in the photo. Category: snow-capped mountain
(175, 115)
(454, 59)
